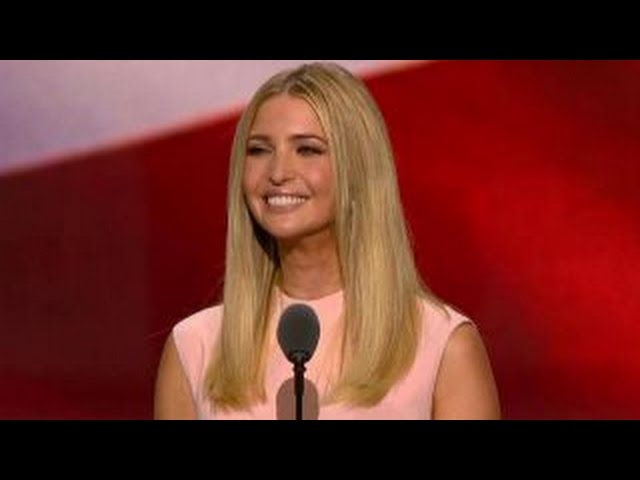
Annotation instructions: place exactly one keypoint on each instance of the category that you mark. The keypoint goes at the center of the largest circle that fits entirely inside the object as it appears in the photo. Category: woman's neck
(310, 269)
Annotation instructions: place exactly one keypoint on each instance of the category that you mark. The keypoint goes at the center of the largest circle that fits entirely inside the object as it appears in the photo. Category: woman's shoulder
(193, 337)
(202, 324)
(440, 317)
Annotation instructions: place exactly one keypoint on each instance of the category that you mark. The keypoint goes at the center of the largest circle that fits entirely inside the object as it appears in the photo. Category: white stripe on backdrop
(51, 108)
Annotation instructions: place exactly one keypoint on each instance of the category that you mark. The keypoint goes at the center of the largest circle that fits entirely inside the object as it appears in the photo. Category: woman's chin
(291, 236)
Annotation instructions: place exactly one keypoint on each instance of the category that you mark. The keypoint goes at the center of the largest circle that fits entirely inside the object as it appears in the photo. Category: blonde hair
(382, 287)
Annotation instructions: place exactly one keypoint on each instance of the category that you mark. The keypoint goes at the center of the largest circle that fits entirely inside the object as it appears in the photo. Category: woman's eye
(254, 151)
(308, 151)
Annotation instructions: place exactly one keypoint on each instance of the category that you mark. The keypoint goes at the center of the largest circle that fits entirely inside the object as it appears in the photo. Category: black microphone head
(298, 332)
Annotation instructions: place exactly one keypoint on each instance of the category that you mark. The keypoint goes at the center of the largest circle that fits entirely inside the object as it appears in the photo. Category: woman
(315, 217)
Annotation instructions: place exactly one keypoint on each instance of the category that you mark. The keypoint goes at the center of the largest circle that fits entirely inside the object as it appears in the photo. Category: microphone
(298, 335)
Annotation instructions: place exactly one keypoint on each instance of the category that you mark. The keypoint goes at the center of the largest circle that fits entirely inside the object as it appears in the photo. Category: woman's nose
(281, 168)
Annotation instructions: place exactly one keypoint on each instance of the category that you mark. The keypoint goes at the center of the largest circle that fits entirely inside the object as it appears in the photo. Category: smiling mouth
(281, 201)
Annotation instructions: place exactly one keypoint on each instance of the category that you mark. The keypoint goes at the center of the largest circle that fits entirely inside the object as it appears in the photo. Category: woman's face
(288, 178)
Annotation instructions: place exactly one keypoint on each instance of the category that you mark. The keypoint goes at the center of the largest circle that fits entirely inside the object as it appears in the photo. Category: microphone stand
(299, 359)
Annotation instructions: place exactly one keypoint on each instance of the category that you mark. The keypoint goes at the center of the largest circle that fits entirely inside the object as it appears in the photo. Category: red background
(520, 184)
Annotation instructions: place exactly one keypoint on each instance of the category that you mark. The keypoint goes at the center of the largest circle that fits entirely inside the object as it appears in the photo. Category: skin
(465, 388)
(288, 157)
(172, 395)
(289, 188)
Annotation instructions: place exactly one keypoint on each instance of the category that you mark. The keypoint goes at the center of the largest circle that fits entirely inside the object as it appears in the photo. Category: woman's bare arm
(465, 387)
(173, 399)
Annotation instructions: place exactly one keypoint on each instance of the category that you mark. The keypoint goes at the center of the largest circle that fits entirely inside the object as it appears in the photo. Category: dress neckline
(329, 298)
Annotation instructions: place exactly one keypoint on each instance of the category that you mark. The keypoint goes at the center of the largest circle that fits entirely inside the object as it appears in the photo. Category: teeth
(284, 200)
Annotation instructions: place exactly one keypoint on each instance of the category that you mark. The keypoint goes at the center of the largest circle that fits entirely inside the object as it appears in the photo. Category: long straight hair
(382, 287)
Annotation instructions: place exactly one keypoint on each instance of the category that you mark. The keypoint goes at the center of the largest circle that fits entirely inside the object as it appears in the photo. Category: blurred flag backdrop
(520, 180)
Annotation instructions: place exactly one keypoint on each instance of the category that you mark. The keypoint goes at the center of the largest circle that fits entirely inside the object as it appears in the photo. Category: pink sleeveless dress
(410, 398)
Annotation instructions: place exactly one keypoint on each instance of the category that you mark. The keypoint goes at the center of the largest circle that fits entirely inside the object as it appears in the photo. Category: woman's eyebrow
(295, 137)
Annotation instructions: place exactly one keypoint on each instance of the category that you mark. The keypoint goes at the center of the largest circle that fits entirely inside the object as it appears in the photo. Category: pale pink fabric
(411, 398)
